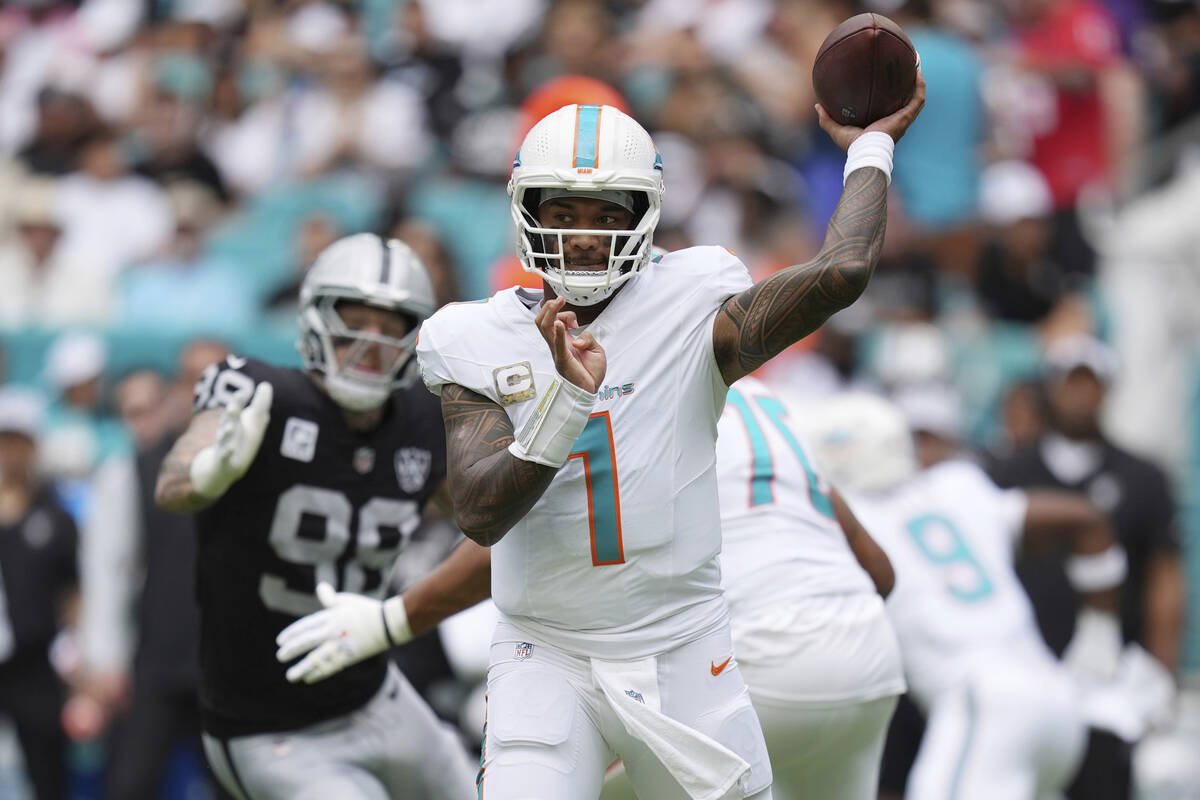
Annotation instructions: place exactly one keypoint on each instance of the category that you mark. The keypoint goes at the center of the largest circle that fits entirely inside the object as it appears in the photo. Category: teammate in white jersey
(586, 458)
(581, 426)
(809, 626)
(1003, 715)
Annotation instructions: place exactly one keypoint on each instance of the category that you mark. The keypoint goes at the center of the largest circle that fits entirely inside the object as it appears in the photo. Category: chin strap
(354, 397)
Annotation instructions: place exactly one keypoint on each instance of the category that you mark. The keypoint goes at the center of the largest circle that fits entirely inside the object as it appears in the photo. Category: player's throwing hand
(894, 125)
(239, 435)
(578, 359)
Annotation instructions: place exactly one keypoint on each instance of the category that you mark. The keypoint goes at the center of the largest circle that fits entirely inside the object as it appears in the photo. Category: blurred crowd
(169, 168)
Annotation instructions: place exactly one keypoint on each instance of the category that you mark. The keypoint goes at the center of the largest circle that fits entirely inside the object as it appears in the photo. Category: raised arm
(490, 487)
(174, 491)
(755, 325)
(217, 448)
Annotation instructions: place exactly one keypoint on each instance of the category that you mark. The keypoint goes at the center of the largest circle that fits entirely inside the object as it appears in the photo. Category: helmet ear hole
(641, 204)
(530, 203)
(310, 346)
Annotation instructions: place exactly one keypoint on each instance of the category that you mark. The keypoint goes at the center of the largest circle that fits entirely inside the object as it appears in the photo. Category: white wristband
(870, 149)
(395, 622)
(549, 435)
(1099, 571)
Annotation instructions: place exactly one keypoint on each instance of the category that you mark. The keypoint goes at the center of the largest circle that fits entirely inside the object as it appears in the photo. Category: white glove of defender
(240, 434)
(350, 628)
(1094, 652)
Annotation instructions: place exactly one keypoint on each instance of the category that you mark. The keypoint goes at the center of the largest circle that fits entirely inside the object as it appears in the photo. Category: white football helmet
(862, 443)
(363, 268)
(586, 149)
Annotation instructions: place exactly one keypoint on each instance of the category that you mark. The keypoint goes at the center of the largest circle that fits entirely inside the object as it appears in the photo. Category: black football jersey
(38, 563)
(321, 502)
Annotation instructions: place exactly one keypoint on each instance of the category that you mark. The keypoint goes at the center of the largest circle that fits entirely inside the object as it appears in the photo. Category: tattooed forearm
(757, 324)
(491, 488)
(173, 491)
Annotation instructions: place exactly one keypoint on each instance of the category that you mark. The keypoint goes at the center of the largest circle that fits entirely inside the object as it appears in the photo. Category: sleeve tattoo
(491, 489)
(173, 491)
(755, 325)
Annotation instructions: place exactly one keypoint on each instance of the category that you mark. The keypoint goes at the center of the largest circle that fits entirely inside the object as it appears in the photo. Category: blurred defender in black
(1075, 454)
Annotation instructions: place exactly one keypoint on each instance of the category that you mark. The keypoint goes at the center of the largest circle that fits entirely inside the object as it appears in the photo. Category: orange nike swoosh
(717, 669)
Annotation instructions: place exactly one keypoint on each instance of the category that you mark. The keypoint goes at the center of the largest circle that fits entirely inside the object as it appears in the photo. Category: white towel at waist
(706, 769)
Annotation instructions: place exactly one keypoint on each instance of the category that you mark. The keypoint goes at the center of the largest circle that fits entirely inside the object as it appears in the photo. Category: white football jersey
(618, 558)
(782, 540)
(950, 534)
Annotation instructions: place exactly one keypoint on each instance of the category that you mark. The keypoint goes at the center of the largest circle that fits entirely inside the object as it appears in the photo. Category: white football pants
(1012, 731)
(551, 731)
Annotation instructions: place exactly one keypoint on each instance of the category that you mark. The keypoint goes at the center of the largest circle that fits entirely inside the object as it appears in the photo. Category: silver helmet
(377, 272)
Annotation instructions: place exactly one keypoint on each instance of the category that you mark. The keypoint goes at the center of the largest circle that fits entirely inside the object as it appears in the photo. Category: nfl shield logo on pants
(523, 651)
(412, 468)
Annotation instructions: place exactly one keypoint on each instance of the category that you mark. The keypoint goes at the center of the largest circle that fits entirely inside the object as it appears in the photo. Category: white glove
(1140, 698)
(349, 629)
(1094, 652)
(240, 434)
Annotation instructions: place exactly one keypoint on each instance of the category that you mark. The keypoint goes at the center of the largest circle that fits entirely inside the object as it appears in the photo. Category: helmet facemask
(542, 249)
(350, 380)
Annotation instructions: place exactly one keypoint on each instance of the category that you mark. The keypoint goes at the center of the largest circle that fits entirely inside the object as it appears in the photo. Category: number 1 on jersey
(595, 447)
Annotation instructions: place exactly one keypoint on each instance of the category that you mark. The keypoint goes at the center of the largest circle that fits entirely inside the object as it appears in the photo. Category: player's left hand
(215, 468)
(349, 629)
(578, 359)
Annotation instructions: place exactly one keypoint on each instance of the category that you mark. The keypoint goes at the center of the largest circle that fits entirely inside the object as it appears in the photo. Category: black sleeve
(1160, 521)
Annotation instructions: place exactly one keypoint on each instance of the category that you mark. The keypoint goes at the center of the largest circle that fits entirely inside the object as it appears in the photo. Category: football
(866, 69)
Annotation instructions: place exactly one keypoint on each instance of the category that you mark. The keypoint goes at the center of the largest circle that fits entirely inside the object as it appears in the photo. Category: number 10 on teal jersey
(762, 464)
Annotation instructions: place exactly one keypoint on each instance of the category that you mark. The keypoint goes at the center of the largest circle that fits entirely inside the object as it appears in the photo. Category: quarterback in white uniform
(1003, 715)
(581, 425)
(581, 428)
